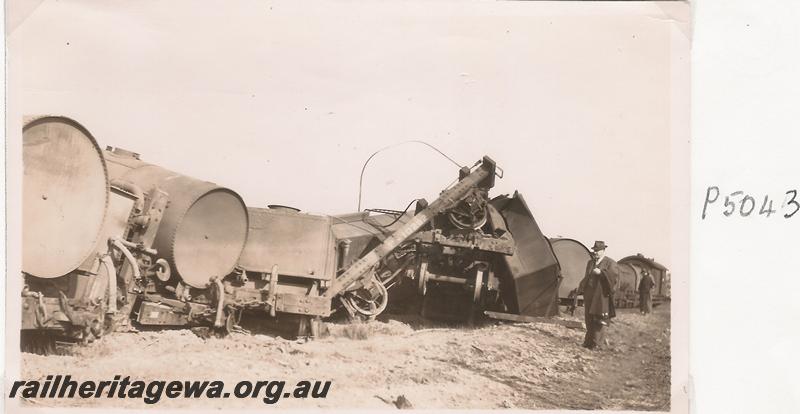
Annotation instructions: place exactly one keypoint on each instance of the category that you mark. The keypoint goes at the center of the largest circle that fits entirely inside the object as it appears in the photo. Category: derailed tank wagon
(187, 237)
(108, 237)
(113, 242)
(72, 222)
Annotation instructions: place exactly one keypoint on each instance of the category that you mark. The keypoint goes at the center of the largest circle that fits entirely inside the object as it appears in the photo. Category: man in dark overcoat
(598, 287)
(645, 293)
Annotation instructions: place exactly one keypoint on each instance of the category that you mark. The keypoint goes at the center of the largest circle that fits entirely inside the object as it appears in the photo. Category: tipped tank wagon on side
(72, 221)
(107, 236)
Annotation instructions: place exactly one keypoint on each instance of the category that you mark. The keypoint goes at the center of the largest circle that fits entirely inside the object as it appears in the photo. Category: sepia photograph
(347, 205)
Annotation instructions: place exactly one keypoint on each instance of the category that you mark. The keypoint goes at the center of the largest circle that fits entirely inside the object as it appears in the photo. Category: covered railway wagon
(659, 273)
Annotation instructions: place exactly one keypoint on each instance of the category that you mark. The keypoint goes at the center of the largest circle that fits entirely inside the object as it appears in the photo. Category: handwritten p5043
(738, 203)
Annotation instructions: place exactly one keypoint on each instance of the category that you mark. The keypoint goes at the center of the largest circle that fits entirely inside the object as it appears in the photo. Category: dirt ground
(496, 365)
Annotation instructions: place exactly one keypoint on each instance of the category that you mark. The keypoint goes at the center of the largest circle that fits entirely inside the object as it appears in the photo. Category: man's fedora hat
(599, 245)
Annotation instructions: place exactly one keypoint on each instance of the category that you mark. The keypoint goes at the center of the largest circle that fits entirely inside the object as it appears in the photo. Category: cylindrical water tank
(573, 257)
(204, 227)
(64, 196)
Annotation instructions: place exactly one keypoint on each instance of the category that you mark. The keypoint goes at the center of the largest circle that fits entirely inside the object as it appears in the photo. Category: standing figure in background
(598, 288)
(645, 293)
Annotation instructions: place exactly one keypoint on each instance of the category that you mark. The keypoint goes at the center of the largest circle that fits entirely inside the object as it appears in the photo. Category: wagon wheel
(230, 323)
(422, 278)
(480, 276)
(475, 307)
(367, 302)
(423, 307)
(471, 212)
(467, 220)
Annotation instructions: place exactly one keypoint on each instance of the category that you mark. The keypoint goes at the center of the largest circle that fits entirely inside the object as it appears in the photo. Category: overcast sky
(284, 102)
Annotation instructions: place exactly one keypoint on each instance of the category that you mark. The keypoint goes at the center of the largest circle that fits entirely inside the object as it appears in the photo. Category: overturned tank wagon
(65, 196)
(186, 236)
(108, 238)
(203, 228)
(73, 224)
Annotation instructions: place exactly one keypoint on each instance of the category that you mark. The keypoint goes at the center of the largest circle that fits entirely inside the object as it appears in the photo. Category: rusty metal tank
(65, 196)
(573, 257)
(204, 227)
(299, 244)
